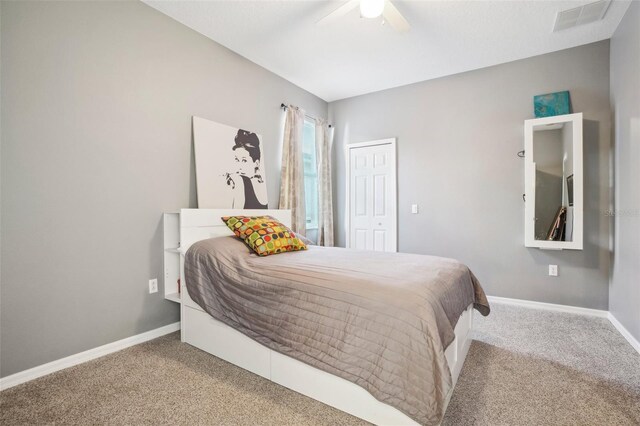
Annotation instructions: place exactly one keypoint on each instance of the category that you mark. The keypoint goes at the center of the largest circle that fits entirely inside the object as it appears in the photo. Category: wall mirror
(553, 182)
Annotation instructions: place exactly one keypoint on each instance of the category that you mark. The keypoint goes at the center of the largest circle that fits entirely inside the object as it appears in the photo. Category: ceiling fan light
(371, 8)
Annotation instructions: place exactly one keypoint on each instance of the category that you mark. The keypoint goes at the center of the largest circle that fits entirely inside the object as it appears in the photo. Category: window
(310, 173)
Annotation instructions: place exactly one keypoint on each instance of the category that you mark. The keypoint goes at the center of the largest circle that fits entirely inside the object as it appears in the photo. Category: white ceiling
(355, 56)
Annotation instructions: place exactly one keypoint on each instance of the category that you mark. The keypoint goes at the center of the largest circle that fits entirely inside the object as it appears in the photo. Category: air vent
(585, 14)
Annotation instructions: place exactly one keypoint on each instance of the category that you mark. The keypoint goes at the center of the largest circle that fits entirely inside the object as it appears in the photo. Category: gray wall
(624, 293)
(457, 142)
(97, 99)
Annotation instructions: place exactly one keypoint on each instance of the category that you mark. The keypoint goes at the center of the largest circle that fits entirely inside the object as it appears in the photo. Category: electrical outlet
(553, 270)
(153, 286)
(414, 208)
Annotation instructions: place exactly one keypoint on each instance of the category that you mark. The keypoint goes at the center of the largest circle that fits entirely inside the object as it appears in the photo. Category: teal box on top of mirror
(551, 104)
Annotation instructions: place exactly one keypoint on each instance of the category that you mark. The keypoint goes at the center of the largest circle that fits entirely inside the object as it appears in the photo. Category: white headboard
(201, 224)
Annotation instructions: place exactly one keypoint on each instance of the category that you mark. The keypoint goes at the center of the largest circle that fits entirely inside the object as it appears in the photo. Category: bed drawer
(202, 331)
(456, 352)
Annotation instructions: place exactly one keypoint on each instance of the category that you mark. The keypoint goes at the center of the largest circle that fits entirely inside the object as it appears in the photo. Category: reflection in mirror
(553, 158)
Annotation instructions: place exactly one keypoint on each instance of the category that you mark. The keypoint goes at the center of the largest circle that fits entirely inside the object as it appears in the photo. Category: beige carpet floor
(525, 367)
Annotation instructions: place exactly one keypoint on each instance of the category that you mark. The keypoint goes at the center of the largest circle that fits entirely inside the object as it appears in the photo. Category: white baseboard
(70, 361)
(625, 333)
(549, 306)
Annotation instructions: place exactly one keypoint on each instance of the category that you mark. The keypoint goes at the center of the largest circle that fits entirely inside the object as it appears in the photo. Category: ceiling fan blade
(339, 12)
(395, 18)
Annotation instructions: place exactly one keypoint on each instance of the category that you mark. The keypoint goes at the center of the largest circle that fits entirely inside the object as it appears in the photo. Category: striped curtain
(292, 176)
(324, 140)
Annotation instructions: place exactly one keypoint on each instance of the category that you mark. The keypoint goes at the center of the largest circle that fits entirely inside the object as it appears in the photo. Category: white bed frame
(202, 331)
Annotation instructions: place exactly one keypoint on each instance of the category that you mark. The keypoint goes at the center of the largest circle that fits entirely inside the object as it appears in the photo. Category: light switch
(553, 270)
(414, 208)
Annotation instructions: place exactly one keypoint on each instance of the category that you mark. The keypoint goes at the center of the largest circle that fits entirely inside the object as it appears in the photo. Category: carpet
(525, 367)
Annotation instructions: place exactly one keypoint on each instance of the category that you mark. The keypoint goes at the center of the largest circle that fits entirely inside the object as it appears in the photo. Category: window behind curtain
(310, 173)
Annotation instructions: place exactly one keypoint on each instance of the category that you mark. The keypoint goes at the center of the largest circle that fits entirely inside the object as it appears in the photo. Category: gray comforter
(380, 320)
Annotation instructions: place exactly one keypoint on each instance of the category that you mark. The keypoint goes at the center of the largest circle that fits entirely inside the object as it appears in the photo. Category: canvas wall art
(229, 166)
(551, 104)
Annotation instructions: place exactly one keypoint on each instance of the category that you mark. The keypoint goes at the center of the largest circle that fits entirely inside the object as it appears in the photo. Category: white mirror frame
(530, 183)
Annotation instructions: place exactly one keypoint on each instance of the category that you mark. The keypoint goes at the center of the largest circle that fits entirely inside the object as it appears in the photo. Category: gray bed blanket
(379, 320)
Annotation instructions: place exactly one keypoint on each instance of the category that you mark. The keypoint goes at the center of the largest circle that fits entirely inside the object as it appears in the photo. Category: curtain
(324, 140)
(292, 177)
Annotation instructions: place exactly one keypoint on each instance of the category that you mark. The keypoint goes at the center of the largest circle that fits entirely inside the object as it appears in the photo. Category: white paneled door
(371, 195)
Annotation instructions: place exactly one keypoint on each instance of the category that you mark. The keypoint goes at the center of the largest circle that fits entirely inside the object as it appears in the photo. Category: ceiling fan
(371, 9)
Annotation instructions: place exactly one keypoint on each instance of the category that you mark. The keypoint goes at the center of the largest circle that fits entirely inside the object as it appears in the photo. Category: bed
(349, 334)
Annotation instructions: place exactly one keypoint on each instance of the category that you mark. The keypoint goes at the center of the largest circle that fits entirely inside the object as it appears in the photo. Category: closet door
(372, 203)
